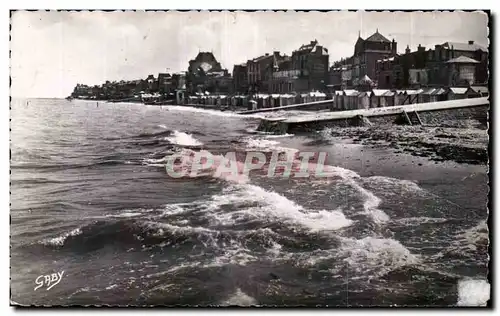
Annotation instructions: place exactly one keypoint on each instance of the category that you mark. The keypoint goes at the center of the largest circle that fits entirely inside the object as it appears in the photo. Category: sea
(91, 200)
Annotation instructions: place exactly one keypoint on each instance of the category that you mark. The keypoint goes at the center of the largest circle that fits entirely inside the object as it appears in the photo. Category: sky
(53, 51)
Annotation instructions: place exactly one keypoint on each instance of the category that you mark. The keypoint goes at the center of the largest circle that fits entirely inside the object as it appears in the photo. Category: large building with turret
(205, 74)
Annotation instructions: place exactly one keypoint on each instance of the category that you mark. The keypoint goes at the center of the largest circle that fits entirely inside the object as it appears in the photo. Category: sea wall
(449, 117)
(310, 106)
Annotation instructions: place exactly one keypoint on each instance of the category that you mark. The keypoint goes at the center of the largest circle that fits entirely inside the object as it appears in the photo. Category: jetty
(417, 113)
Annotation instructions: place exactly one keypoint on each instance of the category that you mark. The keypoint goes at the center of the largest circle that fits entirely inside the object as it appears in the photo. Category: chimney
(394, 47)
(407, 50)
(267, 54)
(421, 48)
(319, 50)
(471, 42)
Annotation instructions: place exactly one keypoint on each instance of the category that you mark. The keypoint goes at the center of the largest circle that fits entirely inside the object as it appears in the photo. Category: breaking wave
(183, 139)
(268, 205)
(59, 240)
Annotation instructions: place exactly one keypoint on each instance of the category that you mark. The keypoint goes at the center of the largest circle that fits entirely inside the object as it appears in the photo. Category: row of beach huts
(353, 99)
(341, 100)
(256, 101)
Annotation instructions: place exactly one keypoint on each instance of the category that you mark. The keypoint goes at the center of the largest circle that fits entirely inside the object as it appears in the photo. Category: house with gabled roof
(368, 51)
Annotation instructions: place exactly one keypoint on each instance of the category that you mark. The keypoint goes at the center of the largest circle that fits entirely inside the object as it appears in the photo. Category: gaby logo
(48, 280)
(240, 164)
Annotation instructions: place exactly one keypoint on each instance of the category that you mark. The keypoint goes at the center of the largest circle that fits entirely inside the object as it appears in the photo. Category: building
(240, 81)
(311, 61)
(260, 72)
(81, 90)
(285, 79)
(205, 73)
(461, 71)
(442, 66)
(441, 72)
(367, 52)
(340, 75)
(165, 84)
(152, 83)
(305, 71)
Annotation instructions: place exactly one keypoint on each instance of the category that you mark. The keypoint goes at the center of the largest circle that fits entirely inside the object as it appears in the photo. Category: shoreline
(437, 143)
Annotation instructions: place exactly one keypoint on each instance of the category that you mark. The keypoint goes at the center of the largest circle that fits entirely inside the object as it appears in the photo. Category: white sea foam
(473, 292)
(173, 209)
(279, 135)
(374, 256)
(125, 214)
(235, 254)
(393, 183)
(272, 205)
(475, 234)
(183, 139)
(239, 299)
(270, 145)
(162, 228)
(150, 161)
(59, 240)
(369, 257)
(419, 220)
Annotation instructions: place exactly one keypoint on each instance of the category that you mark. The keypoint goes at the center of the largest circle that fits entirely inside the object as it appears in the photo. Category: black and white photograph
(280, 158)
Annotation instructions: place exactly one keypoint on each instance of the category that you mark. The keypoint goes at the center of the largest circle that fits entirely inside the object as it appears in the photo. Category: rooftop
(462, 60)
(262, 57)
(312, 47)
(377, 37)
(468, 47)
(309, 46)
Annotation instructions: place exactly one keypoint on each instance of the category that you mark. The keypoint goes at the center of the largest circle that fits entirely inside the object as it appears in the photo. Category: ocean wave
(125, 214)
(369, 257)
(371, 203)
(59, 240)
(183, 139)
(410, 221)
(271, 205)
(470, 243)
(262, 144)
(164, 132)
(377, 256)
